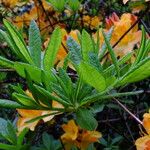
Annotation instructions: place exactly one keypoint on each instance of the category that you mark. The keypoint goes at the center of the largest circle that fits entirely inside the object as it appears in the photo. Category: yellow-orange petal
(143, 143)
(29, 113)
(146, 122)
(71, 131)
(88, 137)
(21, 124)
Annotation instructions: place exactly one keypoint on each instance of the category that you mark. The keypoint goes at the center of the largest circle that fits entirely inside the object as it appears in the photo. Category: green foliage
(48, 143)
(59, 5)
(8, 133)
(74, 5)
(52, 49)
(82, 116)
(93, 83)
(35, 44)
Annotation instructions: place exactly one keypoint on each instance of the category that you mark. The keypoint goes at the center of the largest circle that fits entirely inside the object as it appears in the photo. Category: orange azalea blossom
(120, 26)
(146, 122)
(26, 115)
(91, 22)
(75, 136)
(37, 13)
(9, 3)
(143, 143)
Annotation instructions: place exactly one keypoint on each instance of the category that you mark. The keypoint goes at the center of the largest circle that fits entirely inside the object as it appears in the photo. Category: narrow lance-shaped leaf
(139, 72)
(142, 49)
(11, 44)
(25, 100)
(4, 103)
(52, 49)
(75, 50)
(6, 63)
(18, 41)
(104, 46)
(35, 43)
(112, 54)
(92, 76)
(87, 45)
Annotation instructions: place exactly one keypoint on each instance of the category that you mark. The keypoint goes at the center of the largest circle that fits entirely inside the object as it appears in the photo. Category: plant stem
(101, 96)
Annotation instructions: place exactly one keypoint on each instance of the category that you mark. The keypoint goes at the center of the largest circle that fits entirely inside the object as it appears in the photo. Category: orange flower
(36, 13)
(143, 143)
(26, 115)
(120, 27)
(146, 122)
(92, 22)
(9, 3)
(75, 136)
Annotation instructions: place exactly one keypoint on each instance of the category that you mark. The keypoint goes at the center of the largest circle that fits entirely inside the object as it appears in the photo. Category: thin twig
(127, 110)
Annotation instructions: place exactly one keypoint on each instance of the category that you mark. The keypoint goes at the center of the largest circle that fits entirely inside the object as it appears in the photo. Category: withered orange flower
(27, 115)
(143, 143)
(75, 136)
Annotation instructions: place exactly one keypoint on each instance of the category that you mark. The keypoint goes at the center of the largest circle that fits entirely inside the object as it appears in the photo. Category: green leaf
(49, 95)
(35, 44)
(11, 44)
(104, 46)
(18, 41)
(142, 49)
(92, 76)
(74, 4)
(25, 100)
(59, 5)
(7, 147)
(47, 77)
(66, 80)
(21, 136)
(86, 120)
(3, 127)
(75, 50)
(112, 54)
(4, 103)
(33, 71)
(52, 49)
(11, 130)
(6, 63)
(139, 72)
(87, 45)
